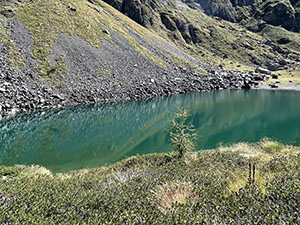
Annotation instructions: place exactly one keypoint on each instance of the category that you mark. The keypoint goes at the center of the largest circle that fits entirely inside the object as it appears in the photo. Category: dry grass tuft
(271, 146)
(263, 151)
(190, 158)
(239, 180)
(244, 149)
(170, 193)
(35, 170)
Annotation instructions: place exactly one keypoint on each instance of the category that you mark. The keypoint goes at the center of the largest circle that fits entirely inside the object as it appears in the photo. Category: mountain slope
(61, 53)
(250, 40)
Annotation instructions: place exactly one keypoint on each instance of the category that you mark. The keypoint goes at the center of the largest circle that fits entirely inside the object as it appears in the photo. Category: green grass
(208, 187)
(289, 76)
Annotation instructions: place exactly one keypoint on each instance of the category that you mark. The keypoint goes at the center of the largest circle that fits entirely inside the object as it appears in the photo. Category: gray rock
(105, 31)
(273, 85)
(283, 41)
(259, 78)
(282, 62)
(262, 70)
(273, 66)
(248, 46)
(72, 8)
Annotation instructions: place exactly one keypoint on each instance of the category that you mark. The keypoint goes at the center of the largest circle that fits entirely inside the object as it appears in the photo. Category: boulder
(273, 66)
(105, 31)
(263, 71)
(283, 41)
(282, 62)
(273, 85)
(259, 78)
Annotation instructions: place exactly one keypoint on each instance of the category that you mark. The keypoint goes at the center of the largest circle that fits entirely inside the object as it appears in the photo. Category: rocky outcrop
(220, 8)
(297, 20)
(279, 13)
(189, 32)
(274, 12)
(136, 10)
(243, 2)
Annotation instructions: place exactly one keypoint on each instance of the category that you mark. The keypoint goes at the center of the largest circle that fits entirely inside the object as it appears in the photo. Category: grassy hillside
(46, 20)
(207, 39)
(209, 187)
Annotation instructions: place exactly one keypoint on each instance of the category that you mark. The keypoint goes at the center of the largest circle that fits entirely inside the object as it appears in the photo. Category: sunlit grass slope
(91, 21)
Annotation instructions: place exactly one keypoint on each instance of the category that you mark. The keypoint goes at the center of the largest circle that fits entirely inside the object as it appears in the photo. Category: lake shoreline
(218, 87)
(139, 89)
(281, 87)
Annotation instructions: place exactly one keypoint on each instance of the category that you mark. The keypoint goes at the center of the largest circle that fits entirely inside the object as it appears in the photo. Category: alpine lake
(97, 135)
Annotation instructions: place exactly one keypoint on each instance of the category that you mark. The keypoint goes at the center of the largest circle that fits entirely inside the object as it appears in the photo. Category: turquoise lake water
(92, 136)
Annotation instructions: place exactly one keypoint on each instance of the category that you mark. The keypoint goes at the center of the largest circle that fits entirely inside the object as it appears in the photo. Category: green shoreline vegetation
(206, 187)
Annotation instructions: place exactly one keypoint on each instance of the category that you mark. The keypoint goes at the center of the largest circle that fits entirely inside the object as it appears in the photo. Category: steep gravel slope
(62, 53)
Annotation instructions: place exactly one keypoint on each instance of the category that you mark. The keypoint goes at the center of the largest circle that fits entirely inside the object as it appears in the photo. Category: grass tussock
(34, 170)
(168, 194)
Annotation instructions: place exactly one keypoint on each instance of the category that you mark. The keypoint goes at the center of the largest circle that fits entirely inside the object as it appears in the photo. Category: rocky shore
(24, 92)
